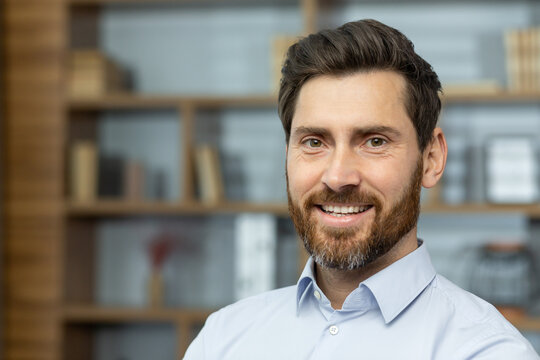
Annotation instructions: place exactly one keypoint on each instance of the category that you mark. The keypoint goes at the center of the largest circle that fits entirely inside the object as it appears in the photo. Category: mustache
(349, 195)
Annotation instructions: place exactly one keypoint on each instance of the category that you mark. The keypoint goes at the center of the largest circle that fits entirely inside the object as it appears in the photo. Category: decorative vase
(155, 289)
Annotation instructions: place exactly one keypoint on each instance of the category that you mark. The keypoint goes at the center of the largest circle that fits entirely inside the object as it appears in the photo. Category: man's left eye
(376, 142)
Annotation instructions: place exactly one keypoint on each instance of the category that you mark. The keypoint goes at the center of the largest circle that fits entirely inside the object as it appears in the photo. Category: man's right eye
(313, 143)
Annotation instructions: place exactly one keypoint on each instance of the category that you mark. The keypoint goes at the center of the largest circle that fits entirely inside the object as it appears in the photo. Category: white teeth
(342, 210)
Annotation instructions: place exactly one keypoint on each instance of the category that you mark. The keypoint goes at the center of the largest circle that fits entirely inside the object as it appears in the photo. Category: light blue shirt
(406, 311)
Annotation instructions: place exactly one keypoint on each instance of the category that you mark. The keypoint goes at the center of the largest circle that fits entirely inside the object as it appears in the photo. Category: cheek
(388, 178)
(302, 177)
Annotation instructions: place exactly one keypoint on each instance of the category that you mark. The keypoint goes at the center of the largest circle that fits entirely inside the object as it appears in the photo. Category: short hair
(362, 46)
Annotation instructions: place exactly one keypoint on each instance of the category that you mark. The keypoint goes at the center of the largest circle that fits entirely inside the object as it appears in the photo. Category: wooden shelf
(128, 2)
(93, 314)
(122, 208)
(532, 210)
(96, 315)
(159, 2)
(526, 323)
(499, 97)
(141, 101)
(138, 101)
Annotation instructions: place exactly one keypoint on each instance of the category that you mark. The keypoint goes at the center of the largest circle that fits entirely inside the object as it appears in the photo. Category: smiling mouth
(339, 211)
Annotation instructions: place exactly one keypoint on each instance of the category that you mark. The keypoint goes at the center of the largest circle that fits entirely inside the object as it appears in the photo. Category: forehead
(362, 99)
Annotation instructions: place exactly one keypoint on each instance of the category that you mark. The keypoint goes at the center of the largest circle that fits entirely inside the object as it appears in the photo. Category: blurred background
(143, 162)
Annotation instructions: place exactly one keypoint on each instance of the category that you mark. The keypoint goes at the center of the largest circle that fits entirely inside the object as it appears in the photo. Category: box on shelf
(511, 170)
(255, 254)
(92, 74)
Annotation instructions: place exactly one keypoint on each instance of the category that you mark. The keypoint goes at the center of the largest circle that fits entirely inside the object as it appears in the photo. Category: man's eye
(376, 142)
(314, 143)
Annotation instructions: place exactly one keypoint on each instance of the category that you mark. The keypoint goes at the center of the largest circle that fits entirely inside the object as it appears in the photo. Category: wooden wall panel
(32, 176)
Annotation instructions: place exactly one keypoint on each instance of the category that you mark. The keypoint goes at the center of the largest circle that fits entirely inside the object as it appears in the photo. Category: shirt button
(333, 330)
(317, 294)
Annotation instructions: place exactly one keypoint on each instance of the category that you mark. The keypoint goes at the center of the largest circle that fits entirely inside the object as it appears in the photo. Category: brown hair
(362, 46)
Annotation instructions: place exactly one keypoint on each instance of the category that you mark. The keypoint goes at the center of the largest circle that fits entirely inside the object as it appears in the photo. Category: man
(359, 108)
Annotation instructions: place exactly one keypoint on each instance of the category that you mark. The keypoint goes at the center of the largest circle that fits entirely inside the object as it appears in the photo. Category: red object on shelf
(160, 247)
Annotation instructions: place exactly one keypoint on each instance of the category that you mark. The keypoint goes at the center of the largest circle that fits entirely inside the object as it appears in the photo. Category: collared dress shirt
(406, 311)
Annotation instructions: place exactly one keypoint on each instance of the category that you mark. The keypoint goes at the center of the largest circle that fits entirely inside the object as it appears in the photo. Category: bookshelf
(50, 239)
(83, 314)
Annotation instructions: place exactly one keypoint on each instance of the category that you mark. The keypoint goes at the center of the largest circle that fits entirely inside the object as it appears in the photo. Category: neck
(338, 284)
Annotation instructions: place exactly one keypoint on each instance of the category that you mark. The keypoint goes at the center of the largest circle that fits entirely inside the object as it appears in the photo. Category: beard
(357, 246)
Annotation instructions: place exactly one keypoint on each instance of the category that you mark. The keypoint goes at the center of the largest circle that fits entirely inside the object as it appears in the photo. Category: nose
(342, 171)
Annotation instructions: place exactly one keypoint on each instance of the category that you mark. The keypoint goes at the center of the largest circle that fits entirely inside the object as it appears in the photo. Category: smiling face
(354, 169)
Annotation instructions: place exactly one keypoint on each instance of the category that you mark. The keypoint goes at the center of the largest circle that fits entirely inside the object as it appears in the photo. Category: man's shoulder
(467, 307)
(474, 323)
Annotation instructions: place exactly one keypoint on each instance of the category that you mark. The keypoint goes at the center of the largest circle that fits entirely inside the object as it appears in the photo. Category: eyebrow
(356, 132)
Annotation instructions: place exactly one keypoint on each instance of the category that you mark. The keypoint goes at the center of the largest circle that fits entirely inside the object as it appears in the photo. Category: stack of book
(92, 74)
(96, 176)
(523, 59)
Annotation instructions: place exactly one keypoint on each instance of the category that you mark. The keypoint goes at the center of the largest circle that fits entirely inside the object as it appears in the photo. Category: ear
(434, 159)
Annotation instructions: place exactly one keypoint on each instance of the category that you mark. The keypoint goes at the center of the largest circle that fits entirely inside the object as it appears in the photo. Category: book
(513, 70)
(111, 176)
(134, 181)
(209, 175)
(83, 171)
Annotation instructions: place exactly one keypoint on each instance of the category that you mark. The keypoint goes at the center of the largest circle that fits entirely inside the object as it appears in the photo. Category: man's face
(354, 170)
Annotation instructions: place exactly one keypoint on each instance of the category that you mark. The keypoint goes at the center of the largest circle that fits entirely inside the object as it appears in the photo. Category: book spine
(83, 171)
(209, 177)
(512, 63)
(134, 181)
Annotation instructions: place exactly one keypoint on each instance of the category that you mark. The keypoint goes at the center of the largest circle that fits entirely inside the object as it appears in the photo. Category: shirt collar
(306, 279)
(393, 288)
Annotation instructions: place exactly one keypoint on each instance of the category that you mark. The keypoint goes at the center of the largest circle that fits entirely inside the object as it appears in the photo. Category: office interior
(142, 163)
